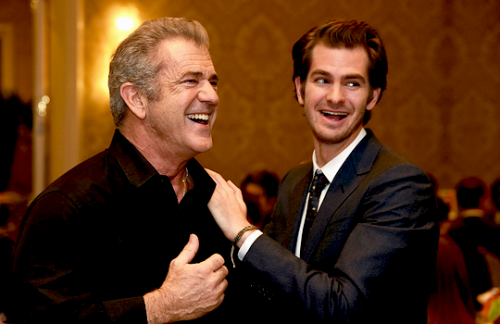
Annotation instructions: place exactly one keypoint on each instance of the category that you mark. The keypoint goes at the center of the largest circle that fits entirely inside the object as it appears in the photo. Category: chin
(331, 138)
(203, 146)
(205, 149)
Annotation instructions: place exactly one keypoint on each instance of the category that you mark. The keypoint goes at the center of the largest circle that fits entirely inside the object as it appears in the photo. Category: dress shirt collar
(135, 166)
(139, 171)
(333, 166)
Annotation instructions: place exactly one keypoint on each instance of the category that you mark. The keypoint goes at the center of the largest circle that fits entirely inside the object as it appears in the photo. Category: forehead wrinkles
(178, 57)
(195, 64)
(181, 56)
(174, 70)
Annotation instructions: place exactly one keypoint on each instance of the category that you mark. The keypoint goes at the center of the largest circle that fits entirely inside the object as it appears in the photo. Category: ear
(374, 99)
(298, 87)
(134, 100)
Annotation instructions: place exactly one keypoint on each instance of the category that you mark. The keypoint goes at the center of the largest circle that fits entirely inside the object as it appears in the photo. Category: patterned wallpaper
(440, 109)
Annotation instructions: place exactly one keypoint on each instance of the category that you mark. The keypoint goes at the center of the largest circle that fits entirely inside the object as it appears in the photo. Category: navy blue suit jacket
(370, 255)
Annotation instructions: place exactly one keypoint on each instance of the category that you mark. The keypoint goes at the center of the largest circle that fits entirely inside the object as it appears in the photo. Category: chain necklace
(184, 182)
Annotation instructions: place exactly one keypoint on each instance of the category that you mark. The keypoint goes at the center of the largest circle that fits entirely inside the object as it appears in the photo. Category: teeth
(204, 117)
(331, 113)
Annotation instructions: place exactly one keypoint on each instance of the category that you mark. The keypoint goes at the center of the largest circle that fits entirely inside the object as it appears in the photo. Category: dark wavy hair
(343, 34)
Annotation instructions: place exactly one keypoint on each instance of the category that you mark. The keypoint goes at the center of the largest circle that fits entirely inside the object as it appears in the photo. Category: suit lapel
(348, 178)
(296, 202)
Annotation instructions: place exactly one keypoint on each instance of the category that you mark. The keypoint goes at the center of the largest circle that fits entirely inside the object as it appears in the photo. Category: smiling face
(336, 95)
(182, 119)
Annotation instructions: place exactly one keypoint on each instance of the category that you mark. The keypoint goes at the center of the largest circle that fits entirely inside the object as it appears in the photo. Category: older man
(106, 242)
(353, 236)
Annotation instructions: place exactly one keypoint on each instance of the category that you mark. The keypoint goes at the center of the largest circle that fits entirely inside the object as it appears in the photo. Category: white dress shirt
(330, 171)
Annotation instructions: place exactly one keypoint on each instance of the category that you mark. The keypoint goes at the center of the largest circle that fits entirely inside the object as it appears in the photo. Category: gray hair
(135, 59)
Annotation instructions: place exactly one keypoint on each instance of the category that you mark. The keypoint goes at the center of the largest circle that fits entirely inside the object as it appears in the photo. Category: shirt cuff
(248, 243)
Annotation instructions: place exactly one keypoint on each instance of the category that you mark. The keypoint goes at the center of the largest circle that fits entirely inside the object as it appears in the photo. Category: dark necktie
(318, 184)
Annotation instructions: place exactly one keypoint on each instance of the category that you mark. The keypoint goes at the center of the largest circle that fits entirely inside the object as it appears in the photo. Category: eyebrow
(192, 74)
(198, 75)
(321, 72)
(348, 76)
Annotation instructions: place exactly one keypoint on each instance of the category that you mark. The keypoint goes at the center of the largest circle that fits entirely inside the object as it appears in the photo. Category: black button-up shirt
(103, 235)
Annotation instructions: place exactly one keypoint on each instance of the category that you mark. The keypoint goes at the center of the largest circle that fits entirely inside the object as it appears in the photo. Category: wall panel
(440, 109)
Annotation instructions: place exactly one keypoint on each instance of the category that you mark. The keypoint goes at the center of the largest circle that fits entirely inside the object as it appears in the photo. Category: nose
(208, 94)
(335, 94)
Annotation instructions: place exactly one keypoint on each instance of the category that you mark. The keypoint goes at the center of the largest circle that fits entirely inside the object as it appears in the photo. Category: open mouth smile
(199, 118)
(334, 115)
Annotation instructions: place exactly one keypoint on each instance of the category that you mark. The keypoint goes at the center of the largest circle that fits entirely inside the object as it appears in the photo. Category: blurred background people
(452, 301)
(473, 234)
(15, 162)
(443, 209)
(15, 184)
(490, 313)
(260, 190)
(6, 258)
(495, 199)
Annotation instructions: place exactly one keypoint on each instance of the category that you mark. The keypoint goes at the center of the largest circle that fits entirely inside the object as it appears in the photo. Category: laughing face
(336, 95)
(183, 118)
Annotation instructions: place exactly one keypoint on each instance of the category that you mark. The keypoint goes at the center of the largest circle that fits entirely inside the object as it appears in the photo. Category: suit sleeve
(56, 273)
(389, 241)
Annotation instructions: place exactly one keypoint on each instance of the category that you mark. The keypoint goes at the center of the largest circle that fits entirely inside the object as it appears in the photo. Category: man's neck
(327, 151)
(163, 160)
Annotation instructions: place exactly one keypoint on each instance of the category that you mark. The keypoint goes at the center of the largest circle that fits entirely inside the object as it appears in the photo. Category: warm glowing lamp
(124, 23)
(120, 22)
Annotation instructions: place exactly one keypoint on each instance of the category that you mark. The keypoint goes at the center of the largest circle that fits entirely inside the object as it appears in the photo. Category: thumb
(187, 254)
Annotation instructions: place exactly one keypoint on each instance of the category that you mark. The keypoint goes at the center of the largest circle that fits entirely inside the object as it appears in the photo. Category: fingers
(187, 254)
(219, 180)
(225, 187)
(189, 290)
(215, 276)
(215, 176)
(219, 291)
(236, 190)
(221, 283)
(227, 206)
(215, 262)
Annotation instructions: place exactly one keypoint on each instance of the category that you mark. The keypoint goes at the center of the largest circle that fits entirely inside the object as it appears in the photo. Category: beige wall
(440, 109)
(15, 15)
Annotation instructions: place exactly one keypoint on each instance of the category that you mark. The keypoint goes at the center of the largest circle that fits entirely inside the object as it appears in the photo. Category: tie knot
(319, 182)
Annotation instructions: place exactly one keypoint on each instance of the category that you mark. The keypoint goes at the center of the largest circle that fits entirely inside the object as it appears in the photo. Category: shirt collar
(139, 171)
(136, 167)
(333, 166)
